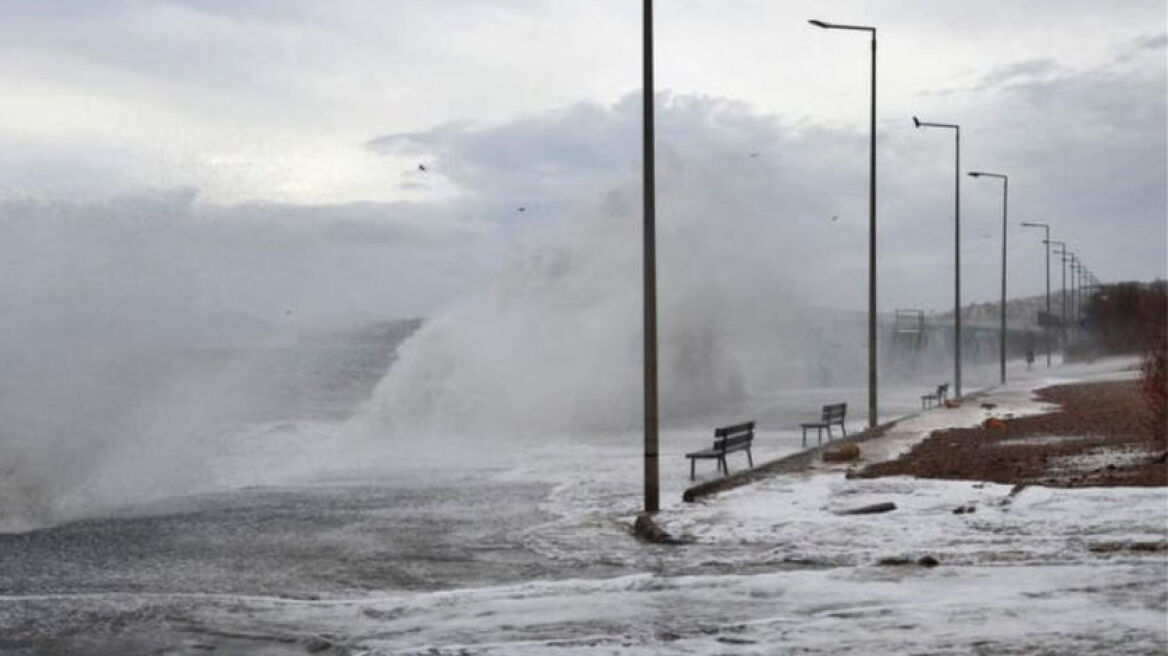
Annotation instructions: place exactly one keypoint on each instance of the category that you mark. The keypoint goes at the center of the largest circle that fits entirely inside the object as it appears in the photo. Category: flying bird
(421, 167)
(754, 154)
(522, 209)
(835, 217)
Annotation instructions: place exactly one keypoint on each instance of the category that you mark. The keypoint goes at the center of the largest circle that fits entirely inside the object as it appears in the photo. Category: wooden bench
(832, 414)
(726, 439)
(937, 397)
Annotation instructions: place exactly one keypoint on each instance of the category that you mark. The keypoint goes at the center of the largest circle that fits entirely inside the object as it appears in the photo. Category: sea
(195, 501)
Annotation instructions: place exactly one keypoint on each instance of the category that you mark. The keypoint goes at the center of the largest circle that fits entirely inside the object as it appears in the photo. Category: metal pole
(1074, 295)
(1064, 283)
(1047, 242)
(1005, 201)
(957, 267)
(1062, 253)
(1064, 291)
(872, 409)
(956, 246)
(1074, 290)
(652, 494)
(872, 250)
(1005, 204)
(1079, 298)
(1083, 293)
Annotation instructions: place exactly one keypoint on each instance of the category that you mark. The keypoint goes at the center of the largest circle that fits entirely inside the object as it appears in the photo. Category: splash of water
(554, 343)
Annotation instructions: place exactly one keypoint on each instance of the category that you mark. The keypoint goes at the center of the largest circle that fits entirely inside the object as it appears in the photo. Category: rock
(842, 453)
(869, 510)
(731, 640)
(647, 530)
(989, 406)
(994, 423)
(928, 561)
(950, 403)
(317, 644)
(961, 510)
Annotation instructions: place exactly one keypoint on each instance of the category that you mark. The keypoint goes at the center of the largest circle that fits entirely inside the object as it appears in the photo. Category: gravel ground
(1098, 438)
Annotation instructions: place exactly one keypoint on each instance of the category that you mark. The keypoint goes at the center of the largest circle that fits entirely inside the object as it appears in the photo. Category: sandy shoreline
(1096, 437)
(1071, 434)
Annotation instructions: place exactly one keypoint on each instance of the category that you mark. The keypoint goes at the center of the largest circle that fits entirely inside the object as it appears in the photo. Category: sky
(262, 159)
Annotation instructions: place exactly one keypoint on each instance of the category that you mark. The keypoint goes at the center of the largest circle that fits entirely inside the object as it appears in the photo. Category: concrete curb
(802, 460)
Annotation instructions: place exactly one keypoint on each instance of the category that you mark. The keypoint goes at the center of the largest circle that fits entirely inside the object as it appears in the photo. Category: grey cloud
(1081, 145)
(1086, 149)
(1018, 72)
(152, 268)
(1158, 42)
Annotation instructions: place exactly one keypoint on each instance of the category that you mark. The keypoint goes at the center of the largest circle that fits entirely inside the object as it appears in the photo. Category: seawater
(291, 503)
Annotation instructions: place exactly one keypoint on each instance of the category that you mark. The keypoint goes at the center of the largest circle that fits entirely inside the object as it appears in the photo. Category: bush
(1124, 318)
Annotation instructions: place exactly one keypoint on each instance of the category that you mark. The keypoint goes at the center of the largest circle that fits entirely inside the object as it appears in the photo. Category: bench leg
(843, 428)
(748, 458)
(691, 467)
(722, 462)
(804, 437)
(830, 437)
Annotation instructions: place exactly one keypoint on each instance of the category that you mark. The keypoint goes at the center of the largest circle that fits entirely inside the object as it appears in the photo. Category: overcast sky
(263, 156)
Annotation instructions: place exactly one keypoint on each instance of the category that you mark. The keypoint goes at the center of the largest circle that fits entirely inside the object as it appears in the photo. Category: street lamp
(1082, 278)
(1046, 240)
(1005, 200)
(1074, 288)
(649, 276)
(871, 220)
(1079, 268)
(956, 247)
(1062, 253)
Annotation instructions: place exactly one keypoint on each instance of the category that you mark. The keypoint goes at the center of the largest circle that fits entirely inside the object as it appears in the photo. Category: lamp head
(916, 122)
(974, 174)
(818, 23)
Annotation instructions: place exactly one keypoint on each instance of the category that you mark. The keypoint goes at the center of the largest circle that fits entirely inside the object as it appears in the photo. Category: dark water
(132, 581)
(305, 542)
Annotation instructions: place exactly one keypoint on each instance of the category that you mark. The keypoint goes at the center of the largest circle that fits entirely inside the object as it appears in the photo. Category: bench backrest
(731, 436)
(943, 389)
(835, 412)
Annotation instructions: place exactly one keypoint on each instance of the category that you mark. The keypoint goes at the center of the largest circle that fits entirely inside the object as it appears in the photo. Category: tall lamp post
(650, 266)
(1079, 268)
(1005, 201)
(1074, 289)
(871, 220)
(1084, 291)
(956, 246)
(1062, 252)
(1045, 240)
